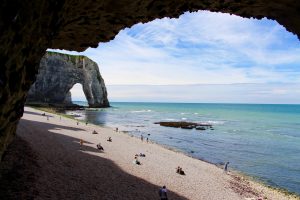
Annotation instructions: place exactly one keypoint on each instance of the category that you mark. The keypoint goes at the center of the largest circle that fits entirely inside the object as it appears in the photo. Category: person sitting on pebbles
(95, 132)
(179, 171)
(136, 161)
(100, 147)
(109, 139)
(142, 155)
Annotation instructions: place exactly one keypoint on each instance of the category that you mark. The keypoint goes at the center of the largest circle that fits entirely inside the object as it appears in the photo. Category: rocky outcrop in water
(29, 27)
(58, 73)
(186, 125)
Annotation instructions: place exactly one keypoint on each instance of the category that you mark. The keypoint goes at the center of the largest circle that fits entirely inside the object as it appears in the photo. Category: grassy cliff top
(72, 58)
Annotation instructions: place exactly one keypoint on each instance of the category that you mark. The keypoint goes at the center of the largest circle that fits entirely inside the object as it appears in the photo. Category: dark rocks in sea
(186, 125)
(200, 128)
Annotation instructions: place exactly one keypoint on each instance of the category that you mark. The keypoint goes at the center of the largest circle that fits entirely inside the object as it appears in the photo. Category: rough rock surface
(185, 125)
(29, 27)
(58, 73)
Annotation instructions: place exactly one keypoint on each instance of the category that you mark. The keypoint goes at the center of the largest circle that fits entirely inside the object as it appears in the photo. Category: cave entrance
(77, 95)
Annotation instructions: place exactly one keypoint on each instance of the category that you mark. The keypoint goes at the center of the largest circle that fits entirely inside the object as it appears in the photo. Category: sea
(259, 140)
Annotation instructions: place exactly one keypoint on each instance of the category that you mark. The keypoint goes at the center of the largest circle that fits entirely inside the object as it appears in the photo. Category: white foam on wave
(183, 118)
(169, 119)
(215, 122)
(140, 111)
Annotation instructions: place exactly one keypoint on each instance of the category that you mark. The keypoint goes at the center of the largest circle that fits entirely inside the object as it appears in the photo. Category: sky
(200, 57)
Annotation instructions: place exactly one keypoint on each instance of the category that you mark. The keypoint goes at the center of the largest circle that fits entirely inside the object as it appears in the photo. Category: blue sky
(206, 49)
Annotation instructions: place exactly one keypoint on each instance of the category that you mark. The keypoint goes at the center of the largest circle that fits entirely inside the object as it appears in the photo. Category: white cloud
(209, 93)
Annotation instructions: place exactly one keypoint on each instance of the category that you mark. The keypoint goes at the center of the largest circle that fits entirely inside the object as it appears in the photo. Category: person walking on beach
(142, 138)
(163, 193)
(226, 167)
(81, 143)
(147, 140)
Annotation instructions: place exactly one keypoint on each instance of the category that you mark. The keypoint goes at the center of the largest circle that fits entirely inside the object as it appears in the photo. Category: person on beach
(142, 155)
(100, 147)
(77, 122)
(86, 123)
(147, 139)
(142, 138)
(136, 161)
(81, 143)
(117, 129)
(179, 171)
(109, 139)
(163, 193)
(226, 167)
(95, 132)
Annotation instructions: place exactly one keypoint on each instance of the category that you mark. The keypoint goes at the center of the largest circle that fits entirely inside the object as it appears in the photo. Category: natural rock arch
(58, 73)
(29, 27)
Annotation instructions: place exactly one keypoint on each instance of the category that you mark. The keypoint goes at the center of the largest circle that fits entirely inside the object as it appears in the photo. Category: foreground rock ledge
(29, 27)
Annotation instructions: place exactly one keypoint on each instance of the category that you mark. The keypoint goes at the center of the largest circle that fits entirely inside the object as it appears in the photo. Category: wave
(169, 119)
(213, 122)
(140, 111)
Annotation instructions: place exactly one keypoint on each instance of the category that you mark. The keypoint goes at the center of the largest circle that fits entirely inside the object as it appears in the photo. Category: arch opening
(77, 96)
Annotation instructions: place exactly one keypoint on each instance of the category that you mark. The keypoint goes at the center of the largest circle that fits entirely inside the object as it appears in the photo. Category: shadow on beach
(57, 169)
(38, 114)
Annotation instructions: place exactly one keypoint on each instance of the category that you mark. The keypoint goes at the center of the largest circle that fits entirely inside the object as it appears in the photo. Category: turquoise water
(259, 140)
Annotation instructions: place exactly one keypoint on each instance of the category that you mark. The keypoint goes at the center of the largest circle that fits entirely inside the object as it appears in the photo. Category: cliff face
(57, 75)
(29, 27)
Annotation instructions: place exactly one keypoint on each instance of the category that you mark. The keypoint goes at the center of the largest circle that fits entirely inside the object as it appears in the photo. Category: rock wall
(29, 27)
(58, 73)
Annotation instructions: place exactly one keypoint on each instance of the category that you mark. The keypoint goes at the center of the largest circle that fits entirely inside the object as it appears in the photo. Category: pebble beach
(68, 170)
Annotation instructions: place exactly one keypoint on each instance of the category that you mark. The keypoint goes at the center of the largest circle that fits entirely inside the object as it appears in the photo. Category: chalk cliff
(58, 73)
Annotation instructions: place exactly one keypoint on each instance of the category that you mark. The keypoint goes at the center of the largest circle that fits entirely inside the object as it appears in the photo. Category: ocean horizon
(259, 140)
